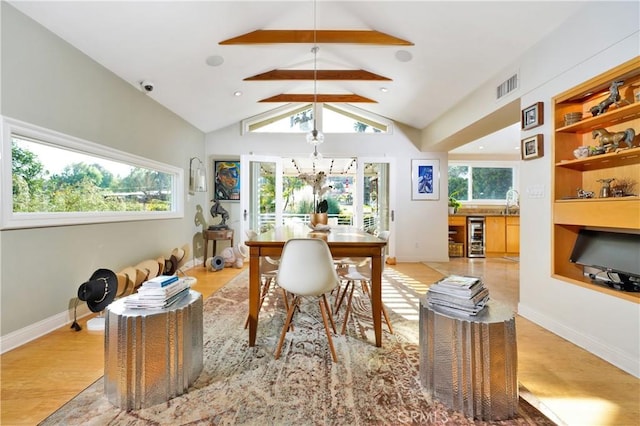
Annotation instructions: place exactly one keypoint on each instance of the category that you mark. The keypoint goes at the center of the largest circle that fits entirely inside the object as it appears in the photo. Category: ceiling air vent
(508, 86)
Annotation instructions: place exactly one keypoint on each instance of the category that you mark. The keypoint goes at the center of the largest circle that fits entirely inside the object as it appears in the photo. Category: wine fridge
(475, 233)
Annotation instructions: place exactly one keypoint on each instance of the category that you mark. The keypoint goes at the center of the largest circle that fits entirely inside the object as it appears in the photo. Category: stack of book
(157, 293)
(459, 294)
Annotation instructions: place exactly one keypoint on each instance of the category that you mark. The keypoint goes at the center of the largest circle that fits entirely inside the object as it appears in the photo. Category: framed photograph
(425, 179)
(532, 147)
(226, 180)
(532, 116)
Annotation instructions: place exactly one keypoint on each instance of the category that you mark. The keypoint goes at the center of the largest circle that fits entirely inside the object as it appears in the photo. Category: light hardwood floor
(581, 389)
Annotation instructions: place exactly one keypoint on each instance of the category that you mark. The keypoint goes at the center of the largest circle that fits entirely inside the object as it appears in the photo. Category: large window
(52, 179)
(481, 182)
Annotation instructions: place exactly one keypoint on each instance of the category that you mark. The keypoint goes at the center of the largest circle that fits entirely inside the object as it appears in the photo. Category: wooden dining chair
(307, 270)
(268, 273)
(361, 273)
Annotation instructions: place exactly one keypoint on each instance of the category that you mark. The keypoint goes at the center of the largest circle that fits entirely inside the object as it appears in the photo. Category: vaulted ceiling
(186, 49)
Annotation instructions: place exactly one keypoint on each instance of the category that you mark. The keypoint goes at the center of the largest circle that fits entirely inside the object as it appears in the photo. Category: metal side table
(470, 363)
(152, 356)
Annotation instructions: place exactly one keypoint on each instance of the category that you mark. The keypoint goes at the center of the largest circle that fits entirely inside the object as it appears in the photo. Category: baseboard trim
(31, 332)
(622, 360)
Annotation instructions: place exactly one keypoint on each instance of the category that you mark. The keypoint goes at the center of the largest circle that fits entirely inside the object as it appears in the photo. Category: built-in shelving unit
(570, 213)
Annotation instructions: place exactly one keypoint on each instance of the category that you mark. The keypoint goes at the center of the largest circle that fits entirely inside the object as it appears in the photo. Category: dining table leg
(376, 297)
(254, 293)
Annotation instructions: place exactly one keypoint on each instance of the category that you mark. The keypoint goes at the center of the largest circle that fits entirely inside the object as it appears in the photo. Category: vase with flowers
(320, 206)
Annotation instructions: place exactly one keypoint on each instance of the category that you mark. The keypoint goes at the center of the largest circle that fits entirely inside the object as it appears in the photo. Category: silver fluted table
(470, 363)
(152, 356)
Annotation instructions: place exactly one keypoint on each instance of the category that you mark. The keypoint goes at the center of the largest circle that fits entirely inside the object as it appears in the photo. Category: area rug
(247, 386)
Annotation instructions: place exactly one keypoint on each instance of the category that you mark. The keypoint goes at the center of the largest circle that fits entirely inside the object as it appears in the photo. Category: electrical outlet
(535, 191)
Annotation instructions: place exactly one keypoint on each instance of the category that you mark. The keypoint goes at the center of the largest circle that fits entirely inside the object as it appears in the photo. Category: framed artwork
(532, 116)
(532, 147)
(226, 180)
(425, 179)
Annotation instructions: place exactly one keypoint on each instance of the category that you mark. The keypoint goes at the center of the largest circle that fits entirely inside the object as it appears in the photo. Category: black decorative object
(613, 98)
(98, 292)
(218, 210)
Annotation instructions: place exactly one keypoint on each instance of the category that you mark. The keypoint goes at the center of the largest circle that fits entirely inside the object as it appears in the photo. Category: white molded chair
(307, 270)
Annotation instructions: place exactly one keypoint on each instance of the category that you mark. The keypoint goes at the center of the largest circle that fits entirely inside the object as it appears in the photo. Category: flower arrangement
(318, 185)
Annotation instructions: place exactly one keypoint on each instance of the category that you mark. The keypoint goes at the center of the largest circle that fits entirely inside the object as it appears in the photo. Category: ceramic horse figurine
(613, 98)
(612, 140)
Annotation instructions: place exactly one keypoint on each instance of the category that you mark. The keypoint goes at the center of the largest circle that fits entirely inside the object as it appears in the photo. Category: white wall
(48, 83)
(421, 224)
(602, 36)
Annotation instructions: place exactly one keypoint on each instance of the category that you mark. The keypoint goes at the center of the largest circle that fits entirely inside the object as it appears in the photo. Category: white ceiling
(458, 47)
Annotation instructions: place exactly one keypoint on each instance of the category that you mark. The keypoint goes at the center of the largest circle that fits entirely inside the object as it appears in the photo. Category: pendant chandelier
(315, 137)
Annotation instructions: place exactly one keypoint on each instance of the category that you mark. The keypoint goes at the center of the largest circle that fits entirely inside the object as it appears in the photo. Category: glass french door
(375, 203)
(261, 201)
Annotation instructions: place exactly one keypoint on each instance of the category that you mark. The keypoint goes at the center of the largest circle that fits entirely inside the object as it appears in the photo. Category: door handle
(245, 214)
(393, 215)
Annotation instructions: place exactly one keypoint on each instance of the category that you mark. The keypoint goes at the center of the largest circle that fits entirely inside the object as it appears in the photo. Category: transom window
(53, 179)
(330, 119)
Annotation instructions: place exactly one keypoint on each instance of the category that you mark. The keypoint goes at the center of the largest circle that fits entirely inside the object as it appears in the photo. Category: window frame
(513, 165)
(11, 220)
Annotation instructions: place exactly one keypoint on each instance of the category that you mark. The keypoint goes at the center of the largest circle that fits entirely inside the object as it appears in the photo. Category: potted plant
(454, 204)
(320, 207)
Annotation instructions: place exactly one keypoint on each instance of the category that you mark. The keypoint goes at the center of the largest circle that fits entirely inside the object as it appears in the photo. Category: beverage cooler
(476, 237)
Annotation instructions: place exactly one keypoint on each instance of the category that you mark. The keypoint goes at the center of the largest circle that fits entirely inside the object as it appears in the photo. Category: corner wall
(604, 325)
(49, 83)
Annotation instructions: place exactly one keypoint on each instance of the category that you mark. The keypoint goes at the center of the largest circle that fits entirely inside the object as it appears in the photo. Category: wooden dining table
(343, 241)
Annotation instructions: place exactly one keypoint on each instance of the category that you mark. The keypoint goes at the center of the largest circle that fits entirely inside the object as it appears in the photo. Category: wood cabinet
(512, 229)
(458, 235)
(495, 235)
(570, 213)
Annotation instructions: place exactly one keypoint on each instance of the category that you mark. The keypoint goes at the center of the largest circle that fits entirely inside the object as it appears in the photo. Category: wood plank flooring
(581, 389)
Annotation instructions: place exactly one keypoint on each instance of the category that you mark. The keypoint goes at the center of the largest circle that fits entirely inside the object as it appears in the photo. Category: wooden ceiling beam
(319, 75)
(321, 36)
(344, 98)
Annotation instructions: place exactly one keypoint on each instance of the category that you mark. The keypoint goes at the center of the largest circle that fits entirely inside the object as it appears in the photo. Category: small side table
(470, 363)
(151, 356)
(215, 235)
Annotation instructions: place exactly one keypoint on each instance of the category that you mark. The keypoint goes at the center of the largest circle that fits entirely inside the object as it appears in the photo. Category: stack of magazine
(458, 294)
(157, 293)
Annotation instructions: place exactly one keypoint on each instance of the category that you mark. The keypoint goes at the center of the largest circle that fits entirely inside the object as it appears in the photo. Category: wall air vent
(507, 86)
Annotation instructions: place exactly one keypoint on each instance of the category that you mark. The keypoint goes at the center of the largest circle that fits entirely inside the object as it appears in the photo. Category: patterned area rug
(242, 385)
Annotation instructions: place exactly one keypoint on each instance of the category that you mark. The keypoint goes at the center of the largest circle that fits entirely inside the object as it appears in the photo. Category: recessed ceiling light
(481, 147)
(404, 56)
(384, 89)
(237, 93)
(215, 60)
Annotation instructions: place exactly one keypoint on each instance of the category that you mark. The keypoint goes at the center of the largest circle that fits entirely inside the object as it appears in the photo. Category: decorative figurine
(218, 210)
(612, 140)
(613, 98)
(605, 191)
(585, 194)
